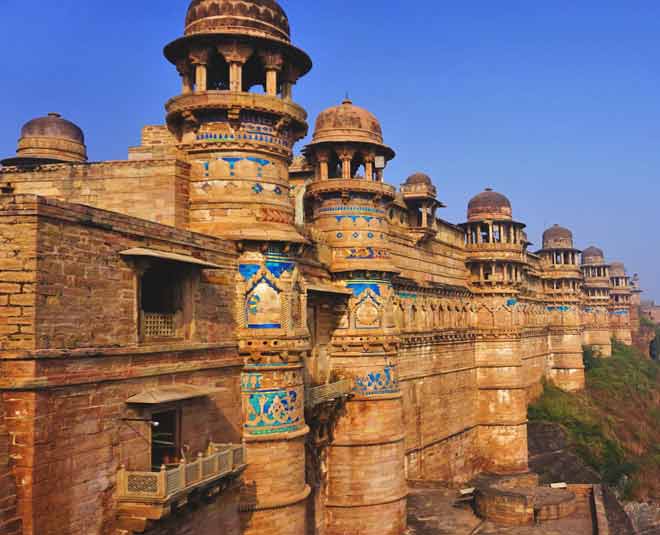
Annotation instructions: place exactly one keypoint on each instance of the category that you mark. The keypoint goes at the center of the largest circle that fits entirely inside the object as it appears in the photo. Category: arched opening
(334, 166)
(254, 75)
(357, 166)
(218, 74)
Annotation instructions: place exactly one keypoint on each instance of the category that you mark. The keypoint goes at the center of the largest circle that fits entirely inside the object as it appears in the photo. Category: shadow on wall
(654, 349)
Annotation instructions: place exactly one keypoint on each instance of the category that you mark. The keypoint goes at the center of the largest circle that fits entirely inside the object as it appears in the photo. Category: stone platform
(433, 510)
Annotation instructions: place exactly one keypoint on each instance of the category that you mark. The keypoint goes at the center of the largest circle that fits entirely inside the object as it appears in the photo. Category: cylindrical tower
(620, 302)
(346, 205)
(563, 290)
(235, 122)
(235, 117)
(596, 294)
(496, 260)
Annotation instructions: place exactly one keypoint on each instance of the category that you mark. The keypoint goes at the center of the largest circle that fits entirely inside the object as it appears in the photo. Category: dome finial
(347, 99)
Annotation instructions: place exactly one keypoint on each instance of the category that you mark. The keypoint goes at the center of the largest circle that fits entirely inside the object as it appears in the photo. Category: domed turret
(235, 116)
(257, 18)
(347, 138)
(349, 123)
(419, 179)
(618, 269)
(49, 139)
(489, 205)
(593, 255)
(557, 237)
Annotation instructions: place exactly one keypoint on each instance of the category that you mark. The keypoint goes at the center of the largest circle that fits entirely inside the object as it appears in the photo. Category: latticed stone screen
(158, 325)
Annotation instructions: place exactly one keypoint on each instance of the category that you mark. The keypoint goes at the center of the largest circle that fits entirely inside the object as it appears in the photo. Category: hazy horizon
(553, 105)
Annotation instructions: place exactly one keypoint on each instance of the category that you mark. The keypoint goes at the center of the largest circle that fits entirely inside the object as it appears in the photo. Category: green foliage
(618, 406)
(586, 430)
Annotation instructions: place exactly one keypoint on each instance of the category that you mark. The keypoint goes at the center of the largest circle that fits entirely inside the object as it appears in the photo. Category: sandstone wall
(156, 190)
(438, 382)
(81, 361)
(10, 523)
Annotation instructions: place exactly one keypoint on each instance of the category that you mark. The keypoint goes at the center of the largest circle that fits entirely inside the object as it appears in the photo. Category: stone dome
(593, 255)
(49, 139)
(617, 269)
(257, 18)
(489, 205)
(348, 123)
(557, 237)
(418, 179)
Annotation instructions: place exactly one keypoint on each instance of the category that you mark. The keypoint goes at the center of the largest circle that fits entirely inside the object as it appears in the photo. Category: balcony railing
(324, 393)
(219, 461)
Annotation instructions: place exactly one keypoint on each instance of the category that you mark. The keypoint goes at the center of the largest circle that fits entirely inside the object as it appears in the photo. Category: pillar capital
(200, 56)
(235, 52)
(272, 61)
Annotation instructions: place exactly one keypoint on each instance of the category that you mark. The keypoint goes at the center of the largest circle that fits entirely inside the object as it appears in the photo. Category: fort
(215, 336)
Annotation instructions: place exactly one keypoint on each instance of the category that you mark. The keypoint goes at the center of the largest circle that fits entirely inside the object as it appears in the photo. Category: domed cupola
(348, 199)
(489, 205)
(349, 123)
(49, 139)
(495, 245)
(557, 237)
(348, 143)
(564, 280)
(418, 185)
(593, 255)
(257, 18)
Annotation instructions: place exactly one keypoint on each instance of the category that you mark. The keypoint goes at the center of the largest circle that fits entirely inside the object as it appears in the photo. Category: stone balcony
(147, 497)
(361, 185)
(325, 393)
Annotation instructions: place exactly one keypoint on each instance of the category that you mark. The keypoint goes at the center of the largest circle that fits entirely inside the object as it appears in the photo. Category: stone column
(236, 55)
(273, 62)
(346, 158)
(367, 489)
(273, 340)
(369, 170)
(200, 60)
(502, 394)
(185, 71)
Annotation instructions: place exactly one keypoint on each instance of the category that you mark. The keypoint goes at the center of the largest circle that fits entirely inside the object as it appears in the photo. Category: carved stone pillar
(273, 63)
(236, 55)
(322, 158)
(200, 60)
(346, 158)
(185, 71)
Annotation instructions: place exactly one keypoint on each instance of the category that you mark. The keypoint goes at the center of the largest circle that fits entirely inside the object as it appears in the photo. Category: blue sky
(555, 104)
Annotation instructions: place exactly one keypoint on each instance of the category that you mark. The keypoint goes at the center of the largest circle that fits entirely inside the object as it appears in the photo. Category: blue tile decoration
(377, 382)
(277, 267)
(257, 188)
(277, 190)
(263, 307)
(232, 162)
(563, 308)
(273, 411)
(359, 287)
(251, 381)
(340, 235)
(248, 271)
(511, 302)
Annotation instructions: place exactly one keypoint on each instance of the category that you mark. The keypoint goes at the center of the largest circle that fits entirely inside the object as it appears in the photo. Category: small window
(164, 301)
(166, 439)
